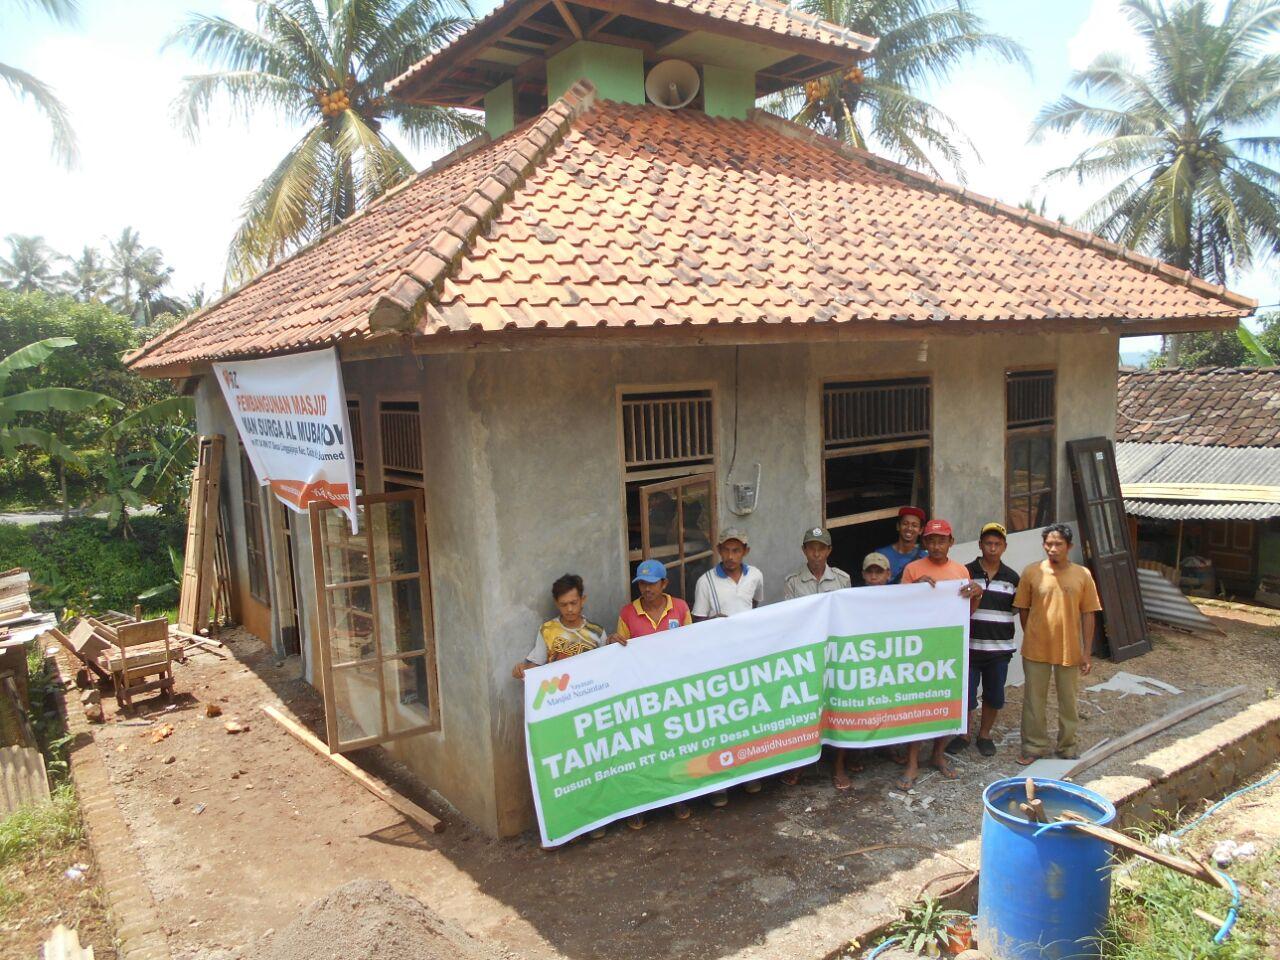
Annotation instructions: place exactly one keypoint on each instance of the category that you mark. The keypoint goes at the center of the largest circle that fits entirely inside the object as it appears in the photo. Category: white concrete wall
(524, 482)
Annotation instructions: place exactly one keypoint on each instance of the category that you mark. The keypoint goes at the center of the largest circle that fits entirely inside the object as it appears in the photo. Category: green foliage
(1187, 135)
(29, 266)
(42, 829)
(1151, 915)
(326, 68)
(102, 338)
(925, 922)
(84, 564)
(1226, 349)
(878, 105)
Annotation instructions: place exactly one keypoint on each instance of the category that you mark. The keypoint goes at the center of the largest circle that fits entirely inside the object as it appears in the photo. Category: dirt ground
(238, 833)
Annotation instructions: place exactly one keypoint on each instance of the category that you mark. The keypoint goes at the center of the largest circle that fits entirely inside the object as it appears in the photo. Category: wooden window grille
(667, 430)
(357, 433)
(254, 535)
(401, 434)
(879, 412)
(1029, 399)
(1030, 461)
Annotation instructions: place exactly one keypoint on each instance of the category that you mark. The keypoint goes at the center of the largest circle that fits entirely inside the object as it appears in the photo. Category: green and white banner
(679, 714)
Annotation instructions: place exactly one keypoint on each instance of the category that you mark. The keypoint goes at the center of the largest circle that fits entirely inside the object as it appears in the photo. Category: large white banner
(689, 711)
(291, 413)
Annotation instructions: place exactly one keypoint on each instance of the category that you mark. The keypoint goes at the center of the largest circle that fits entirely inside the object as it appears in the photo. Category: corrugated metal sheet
(1162, 601)
(1189, 463)
(22, 778)
(1196, 510)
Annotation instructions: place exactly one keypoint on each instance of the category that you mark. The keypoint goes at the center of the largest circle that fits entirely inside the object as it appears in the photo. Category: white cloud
(1105, 30)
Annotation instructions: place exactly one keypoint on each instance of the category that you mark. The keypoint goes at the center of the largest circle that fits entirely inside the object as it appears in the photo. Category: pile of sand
(369, 920)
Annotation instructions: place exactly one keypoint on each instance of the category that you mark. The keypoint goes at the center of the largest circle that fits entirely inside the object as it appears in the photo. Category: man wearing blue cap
(653, 611)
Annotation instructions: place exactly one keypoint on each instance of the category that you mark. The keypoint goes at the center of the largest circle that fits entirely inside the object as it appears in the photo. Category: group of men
(1056, 601)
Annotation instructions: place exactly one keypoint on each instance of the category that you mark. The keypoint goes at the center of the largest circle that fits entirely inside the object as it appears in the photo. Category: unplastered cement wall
(548, 428)
(524, 482)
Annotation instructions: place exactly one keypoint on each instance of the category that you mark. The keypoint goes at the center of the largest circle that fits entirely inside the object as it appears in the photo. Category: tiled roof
(1217, 406)
(608, 215)
(769, 16)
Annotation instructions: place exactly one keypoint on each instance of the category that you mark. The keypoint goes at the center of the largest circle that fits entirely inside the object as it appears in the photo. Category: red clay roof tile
(1212, 406)
(634, 215)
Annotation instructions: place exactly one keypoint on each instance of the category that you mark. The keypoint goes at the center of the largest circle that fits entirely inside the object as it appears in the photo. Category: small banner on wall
(291, 413)
(683, 713)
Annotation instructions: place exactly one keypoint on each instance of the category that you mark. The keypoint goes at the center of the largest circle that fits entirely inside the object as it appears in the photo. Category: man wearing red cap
(933, 568)
(907, 547)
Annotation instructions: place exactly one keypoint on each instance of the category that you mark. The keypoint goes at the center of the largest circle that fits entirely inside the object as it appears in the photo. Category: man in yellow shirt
(1057, 602)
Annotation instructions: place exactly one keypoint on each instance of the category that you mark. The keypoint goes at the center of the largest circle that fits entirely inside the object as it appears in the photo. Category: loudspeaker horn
(672, 84)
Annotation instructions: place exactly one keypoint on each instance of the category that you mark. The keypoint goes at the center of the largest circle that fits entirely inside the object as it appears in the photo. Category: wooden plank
(1216, 492)
(23, 780)
(147, 631)
(1191, 869)
(371, 783)
(198, 572)
(1094, 757)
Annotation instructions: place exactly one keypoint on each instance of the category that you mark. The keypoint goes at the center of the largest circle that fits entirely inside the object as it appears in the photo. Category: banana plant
(42, 400)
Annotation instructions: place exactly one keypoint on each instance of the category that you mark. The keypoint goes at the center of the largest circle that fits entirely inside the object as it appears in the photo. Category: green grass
(1155, 920)
(42, 829)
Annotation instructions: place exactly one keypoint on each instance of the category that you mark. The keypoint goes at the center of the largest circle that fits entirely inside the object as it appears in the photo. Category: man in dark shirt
(991, 643)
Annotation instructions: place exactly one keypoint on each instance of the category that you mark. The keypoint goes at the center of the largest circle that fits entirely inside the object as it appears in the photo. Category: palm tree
(877, 105)
(137, 275)
(25, 86)
(87, 278)
(1186, 134)
(29, 266)
(325, 66)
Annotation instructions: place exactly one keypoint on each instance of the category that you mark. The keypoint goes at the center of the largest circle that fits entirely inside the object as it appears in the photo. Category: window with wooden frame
(377, 642)
(400, 433)
(1030, 422)
(668, 447)
(255, 541)
(876, 438)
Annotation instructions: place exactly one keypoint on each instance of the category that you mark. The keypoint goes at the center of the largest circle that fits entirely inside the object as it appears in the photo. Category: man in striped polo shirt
(991, 643)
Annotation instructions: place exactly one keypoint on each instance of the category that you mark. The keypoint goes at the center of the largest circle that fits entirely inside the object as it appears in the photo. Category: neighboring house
(1198, 453)
(608, 329)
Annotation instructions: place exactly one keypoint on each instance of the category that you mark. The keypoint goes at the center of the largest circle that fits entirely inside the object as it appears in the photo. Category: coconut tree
(27, 87)
(323, 65)
(86, 278)
(1186, 135)
(878, 105)
(137, 275)
(29, 266)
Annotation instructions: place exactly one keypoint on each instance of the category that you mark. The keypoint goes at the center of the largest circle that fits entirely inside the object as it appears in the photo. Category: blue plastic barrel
(1045, 897)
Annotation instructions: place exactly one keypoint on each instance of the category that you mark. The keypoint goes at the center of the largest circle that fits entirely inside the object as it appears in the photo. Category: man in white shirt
(731, 586)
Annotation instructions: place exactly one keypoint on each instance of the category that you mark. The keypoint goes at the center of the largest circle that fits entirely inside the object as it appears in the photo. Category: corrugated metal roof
(1191, 463)
(1197, 510)
(1162, 601)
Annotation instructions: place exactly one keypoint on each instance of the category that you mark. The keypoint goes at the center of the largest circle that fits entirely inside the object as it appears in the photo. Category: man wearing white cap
(815, 576)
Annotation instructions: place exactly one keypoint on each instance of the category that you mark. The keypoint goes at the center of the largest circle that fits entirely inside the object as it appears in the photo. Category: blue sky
(138, 169)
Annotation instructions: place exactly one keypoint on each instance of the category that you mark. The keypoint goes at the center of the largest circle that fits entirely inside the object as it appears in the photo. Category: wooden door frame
(658, 486)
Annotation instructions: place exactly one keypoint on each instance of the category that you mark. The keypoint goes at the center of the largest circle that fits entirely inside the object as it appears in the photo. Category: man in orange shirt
(1058, 604)
(933, 567)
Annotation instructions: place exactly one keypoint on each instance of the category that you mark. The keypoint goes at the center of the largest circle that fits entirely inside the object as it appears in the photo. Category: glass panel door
(376, 650)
